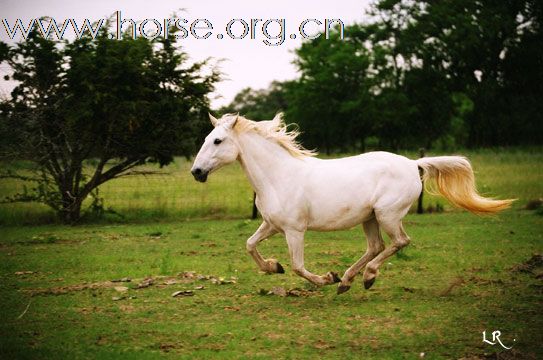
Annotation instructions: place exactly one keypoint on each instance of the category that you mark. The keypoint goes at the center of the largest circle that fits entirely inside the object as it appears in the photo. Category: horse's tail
(455, 181)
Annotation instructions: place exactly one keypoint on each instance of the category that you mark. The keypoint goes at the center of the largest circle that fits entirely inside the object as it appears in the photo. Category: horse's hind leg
(375, 246)
(270, 265)
(295, 241)
(394, 229)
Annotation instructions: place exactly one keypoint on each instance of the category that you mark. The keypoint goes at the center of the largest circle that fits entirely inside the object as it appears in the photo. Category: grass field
(461, 275)
(174, 195)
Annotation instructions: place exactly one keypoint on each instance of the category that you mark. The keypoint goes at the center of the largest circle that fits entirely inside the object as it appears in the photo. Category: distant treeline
(448, 74)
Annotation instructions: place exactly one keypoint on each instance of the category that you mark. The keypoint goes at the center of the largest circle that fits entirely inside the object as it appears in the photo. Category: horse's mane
(277, 131)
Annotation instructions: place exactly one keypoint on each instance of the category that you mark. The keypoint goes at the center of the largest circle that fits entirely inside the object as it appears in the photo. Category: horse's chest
(282, 211)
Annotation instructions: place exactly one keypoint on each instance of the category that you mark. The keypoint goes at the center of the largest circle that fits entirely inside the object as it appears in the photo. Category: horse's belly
(344, 217)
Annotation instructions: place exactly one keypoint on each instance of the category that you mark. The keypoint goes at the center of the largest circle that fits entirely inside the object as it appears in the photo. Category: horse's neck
(265, 163)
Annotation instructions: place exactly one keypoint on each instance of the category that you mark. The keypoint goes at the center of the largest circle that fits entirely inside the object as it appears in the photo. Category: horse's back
(372, 164)
(358, 185)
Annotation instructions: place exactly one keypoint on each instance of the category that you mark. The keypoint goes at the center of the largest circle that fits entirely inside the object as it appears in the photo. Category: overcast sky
(247, 62)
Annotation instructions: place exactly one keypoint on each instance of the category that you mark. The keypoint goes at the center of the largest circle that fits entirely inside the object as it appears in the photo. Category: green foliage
(328, 98)
(485, 50)
(258, 104)
(448, 74)
(122, 103)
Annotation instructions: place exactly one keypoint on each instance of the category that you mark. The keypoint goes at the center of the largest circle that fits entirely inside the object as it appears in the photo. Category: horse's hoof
(335, 277)
(280, 269)
(368, 283)
(342, 288)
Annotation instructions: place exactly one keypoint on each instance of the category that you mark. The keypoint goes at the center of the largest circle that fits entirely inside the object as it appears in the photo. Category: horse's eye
(217, 141)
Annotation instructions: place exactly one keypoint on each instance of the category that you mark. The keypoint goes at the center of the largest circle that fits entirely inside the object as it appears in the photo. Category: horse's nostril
(199, 174)
(196, 171)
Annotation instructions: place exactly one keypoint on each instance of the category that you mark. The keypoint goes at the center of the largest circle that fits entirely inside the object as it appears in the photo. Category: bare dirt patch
(533, 265)
(187, 277)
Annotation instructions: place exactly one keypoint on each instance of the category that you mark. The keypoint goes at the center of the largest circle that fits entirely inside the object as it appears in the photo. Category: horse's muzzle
(199, 174)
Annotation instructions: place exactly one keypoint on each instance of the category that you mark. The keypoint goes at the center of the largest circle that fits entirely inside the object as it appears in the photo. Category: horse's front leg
(295, 241)
(267, 265)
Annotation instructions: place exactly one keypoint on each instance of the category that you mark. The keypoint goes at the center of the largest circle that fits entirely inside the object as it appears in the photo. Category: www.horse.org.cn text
(272, 32)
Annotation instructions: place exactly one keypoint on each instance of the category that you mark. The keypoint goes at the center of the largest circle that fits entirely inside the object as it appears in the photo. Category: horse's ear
(213, 120)
(231, 123)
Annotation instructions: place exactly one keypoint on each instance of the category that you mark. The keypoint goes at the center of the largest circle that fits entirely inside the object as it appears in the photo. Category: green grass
(172, 194)
(404, 314)
(456, 279)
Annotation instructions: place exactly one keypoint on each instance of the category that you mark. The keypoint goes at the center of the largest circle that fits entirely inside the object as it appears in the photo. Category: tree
(485, 50)
(258, 104)
(91, 110)
(451, 73)
(331, 100)
(413, 98)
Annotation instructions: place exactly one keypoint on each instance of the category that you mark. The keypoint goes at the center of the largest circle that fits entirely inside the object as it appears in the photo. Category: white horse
(296, 192)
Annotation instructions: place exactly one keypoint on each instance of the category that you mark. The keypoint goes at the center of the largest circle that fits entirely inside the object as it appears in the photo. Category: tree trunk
(363, 145)
(71, 214)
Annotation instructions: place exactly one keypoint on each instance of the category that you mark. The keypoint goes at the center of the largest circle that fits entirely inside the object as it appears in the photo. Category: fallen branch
(24, 312)
(456, 282)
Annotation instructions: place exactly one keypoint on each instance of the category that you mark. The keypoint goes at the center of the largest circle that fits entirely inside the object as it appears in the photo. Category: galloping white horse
(296, 192)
